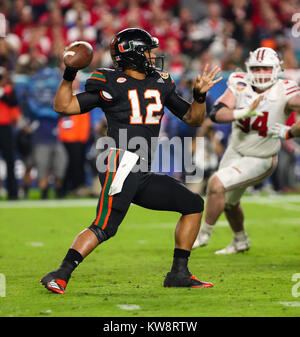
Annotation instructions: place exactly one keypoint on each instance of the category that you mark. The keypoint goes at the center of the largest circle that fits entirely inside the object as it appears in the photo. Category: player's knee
(103, 234)
(215, 186)
(194, 205)
(111, 231)
(230, 207)
(199, 202)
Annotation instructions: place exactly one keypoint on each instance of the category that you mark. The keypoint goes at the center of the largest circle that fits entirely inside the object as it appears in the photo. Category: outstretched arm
(197, 110)
(282, 131)
(294, 105)
(224, 109)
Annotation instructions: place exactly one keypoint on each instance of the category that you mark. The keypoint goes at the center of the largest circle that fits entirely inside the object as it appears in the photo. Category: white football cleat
(202, 240)
(236, 246)
(204, 236)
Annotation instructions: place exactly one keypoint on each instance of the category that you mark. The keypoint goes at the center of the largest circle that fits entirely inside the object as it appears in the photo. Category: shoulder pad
(105, 71)
(102, 74)
(237, 76)
(237, 81)
(98, 75)
(291, 87)
(98, 79)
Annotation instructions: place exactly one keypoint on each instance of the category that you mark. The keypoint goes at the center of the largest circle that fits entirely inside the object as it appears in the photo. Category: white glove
(279, 131)
(245, 113)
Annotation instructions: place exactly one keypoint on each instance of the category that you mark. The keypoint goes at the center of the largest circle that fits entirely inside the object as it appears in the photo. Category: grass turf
(129, 269)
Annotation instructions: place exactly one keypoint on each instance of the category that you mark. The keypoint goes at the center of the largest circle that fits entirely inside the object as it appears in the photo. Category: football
(78, 55)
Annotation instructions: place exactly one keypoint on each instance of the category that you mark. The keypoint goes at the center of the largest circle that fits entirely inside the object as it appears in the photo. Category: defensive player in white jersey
(257, 103)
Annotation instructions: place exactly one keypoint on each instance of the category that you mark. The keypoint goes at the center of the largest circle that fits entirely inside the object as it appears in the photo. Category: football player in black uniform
(133, 97)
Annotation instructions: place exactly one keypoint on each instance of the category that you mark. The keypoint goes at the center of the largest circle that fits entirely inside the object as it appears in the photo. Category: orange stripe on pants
(103, 189)
(110, 199)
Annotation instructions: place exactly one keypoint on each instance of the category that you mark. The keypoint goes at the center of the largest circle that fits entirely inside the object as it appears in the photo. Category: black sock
(70, 262)
(180, 260)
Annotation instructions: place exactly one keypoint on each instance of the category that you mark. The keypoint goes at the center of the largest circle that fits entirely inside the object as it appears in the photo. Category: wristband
(240, 113)
(198, 96)
(289, 134)
(70, 74)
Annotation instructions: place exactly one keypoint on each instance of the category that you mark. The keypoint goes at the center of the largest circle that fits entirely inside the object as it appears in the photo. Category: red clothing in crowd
(9, 114)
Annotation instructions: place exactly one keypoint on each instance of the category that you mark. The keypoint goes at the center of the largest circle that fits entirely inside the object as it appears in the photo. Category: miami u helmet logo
(131, 47)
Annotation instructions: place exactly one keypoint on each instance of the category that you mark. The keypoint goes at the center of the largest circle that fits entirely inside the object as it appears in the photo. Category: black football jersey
(134, 106)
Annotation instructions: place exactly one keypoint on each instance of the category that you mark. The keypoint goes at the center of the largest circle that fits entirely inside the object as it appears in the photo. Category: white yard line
(224, 223)
(270, 199)
(287, 221)
(35, 244)
(287, 207)
(129, 306)
(290, 304)
(283, 201)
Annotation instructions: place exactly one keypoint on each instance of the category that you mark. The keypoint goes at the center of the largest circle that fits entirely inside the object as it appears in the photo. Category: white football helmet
(264, 57)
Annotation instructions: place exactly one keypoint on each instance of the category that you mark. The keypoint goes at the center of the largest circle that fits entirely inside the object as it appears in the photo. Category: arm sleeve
(98, 93)
(215, 109)
(88, 101)
(176, 104)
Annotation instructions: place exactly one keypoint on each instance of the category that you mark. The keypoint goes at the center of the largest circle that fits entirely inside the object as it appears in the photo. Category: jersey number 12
(136, 116)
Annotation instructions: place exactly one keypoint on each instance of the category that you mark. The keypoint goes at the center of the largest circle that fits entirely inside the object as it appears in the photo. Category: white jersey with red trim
(250, 135)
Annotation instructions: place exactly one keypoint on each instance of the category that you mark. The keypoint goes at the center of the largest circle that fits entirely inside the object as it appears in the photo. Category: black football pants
(149, 190)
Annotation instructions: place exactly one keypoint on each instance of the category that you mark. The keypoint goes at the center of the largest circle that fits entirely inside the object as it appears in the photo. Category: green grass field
(123, 277)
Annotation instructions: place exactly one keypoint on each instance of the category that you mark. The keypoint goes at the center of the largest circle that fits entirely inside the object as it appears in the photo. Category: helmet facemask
(263, 81)
(263, 57)
(140, 59)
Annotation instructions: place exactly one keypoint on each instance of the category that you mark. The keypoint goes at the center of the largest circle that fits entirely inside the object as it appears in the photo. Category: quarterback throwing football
(133, 97)
(257, 103)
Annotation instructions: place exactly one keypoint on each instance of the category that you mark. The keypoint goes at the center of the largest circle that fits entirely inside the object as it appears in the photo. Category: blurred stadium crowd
(52, 151)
